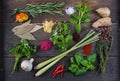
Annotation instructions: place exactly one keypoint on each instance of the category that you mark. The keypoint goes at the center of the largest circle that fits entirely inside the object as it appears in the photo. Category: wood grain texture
(7, 22)
(10, 38)
(112, 72)
(94, 4)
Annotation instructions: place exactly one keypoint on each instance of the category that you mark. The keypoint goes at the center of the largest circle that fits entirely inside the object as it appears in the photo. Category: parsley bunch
(21, 50)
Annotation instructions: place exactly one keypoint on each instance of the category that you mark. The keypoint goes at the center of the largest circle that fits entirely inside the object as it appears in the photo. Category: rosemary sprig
(33, 10)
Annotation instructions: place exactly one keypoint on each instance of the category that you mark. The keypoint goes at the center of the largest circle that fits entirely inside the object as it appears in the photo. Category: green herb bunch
(81, 16)
(61, 36)
(20, 50)
(80, 65)
(49, 8)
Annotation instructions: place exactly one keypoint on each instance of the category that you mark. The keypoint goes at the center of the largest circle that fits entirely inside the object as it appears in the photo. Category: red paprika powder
(87, 49)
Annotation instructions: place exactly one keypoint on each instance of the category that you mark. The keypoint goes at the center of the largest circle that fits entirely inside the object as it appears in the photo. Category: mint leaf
(73, 21)
(78, 28)
(76, 16)
(87, 20)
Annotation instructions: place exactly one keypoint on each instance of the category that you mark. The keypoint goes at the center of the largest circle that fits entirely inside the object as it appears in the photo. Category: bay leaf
(27, 36)
(36, 28)
(23, 28)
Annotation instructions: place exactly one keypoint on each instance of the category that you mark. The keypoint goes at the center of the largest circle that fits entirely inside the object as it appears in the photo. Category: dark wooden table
(7, 39)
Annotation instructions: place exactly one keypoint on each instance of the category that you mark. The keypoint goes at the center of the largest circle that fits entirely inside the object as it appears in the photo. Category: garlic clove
(27, 65)
(31, 60)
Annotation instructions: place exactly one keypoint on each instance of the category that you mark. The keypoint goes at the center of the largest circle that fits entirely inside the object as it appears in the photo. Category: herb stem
(16, 62)
(50, 62)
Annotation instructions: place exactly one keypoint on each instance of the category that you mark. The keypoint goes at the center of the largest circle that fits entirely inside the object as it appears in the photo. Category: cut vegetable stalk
(18, 57)
(88, 39)
(40, 72)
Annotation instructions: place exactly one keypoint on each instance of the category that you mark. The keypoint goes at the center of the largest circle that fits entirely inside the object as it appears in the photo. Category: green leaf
(78, 28)
(87, 20)
(75, 15)
(73, 21)
(81, 71)
(73, 68)
(78, 7)
(90, 67)
(84, 62)
(72, 60)
(69, 39)
(78, 57)
(91, 58)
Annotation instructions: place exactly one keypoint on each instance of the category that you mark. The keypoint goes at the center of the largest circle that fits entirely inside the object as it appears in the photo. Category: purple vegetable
(76, 36)
(46, 45)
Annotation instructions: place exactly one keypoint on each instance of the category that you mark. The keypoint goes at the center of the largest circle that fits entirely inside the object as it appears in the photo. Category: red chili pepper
(87, 49)
(58, 70)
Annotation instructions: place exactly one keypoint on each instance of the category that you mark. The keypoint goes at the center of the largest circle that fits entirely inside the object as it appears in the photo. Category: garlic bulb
(27, 65)
(70, 10)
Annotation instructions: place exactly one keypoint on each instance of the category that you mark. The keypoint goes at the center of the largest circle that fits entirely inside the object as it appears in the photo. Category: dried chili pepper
(87, 49)
(21, 17)
(58, 70)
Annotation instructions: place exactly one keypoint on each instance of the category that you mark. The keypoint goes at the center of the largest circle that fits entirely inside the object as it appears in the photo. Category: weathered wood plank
(9, 39)
(112, 72)
(10, 4)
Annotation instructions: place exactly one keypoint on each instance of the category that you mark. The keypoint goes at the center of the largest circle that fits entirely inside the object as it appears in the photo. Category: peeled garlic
(27, 65)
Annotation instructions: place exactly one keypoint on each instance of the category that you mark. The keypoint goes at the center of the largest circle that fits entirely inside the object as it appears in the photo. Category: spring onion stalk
(45, 65)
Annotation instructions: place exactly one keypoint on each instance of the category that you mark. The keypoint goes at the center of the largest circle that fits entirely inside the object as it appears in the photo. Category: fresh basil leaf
(84, 62)
(90, 67)
(81, 71)
(91, 58)
(73, 68)
(72, 60)
(78, 28)
(78, 57)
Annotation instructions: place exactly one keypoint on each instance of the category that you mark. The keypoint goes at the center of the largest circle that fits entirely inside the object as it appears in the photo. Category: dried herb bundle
(103, 47)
